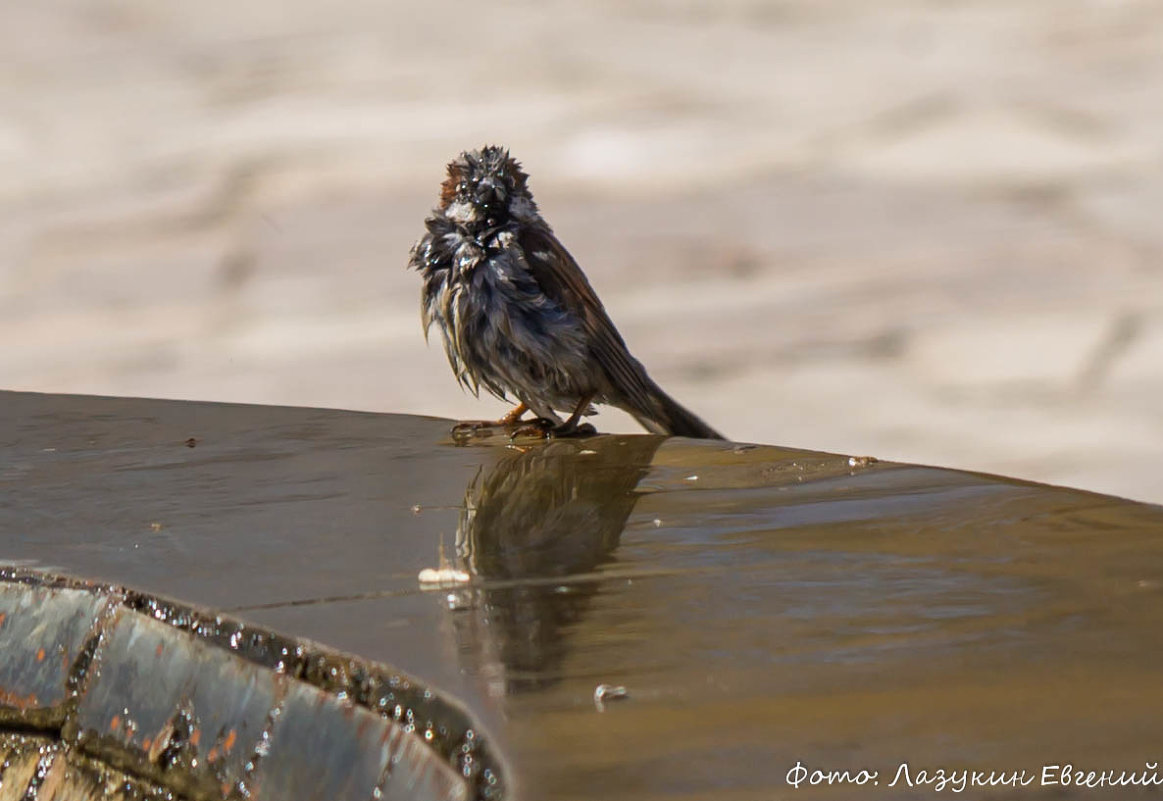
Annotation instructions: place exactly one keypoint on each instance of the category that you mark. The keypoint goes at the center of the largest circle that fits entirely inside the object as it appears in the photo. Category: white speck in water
(692, 478)
(457, 601)
(608, 692)
(657, 523)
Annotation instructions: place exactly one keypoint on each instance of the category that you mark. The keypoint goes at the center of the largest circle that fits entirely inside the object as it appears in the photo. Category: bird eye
(462, 188)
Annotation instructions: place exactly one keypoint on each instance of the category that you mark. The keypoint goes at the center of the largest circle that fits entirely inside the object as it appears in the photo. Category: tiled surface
(42, 633)
(121, 704)
(202, 709)
(352, 749)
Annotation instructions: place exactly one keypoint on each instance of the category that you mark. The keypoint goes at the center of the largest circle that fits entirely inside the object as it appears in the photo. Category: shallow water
(763, 607)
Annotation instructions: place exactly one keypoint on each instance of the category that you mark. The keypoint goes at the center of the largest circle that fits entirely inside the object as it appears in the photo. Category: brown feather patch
(456, 171)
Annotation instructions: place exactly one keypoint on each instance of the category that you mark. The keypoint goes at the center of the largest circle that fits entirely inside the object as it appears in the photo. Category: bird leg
(544, 427)
(514, 415)
(570, 427)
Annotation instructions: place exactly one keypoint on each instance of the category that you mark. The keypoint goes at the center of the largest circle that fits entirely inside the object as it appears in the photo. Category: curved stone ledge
(108, 692)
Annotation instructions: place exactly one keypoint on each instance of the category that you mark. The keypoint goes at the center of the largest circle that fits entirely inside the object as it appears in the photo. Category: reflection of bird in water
(554, 511)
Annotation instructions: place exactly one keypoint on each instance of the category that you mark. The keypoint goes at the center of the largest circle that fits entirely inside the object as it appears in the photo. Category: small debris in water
(692, 478)
(609, 692)
(417, 508)
(657, 523)
(444, 576)
(438, 578)
(861, 461)
(155, 526)
(743, 448)
(587, 452)
(192, 442)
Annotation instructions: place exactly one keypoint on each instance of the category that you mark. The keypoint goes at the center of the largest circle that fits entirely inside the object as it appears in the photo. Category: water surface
(763, 607)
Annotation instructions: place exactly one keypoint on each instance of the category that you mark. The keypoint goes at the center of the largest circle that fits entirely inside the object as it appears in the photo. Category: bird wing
(562, 281)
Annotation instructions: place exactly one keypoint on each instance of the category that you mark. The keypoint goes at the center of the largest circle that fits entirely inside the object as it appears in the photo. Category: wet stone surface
(353, 753)
(199, 716)
(762, 607)
(163, 706)
(43, 631)
(26, 758)
(38, 768)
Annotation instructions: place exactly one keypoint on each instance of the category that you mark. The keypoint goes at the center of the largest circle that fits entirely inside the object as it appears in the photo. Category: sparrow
(518, 316)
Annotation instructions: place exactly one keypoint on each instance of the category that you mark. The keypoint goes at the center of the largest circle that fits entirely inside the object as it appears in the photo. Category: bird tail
(661, 414)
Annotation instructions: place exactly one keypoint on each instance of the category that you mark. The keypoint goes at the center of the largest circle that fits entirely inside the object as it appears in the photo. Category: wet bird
(516, 313)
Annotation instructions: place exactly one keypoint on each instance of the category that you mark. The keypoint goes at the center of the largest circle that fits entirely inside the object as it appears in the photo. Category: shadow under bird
(516, 312)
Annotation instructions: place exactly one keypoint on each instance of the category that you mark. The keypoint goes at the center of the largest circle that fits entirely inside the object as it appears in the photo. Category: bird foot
(539, 427)
(544, 428)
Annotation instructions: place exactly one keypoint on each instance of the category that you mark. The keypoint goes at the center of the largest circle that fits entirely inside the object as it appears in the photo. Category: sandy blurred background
(928, 231)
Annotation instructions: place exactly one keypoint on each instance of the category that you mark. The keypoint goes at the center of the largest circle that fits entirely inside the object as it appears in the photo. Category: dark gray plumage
(517, 315)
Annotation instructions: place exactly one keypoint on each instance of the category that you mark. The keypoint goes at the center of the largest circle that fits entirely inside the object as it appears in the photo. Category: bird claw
(541, 427)
(468, 430)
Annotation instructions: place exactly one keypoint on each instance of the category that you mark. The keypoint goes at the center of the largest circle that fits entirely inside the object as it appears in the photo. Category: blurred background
(924, 231)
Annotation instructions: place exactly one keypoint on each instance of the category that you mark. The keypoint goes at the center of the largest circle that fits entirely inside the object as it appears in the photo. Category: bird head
(485, 190)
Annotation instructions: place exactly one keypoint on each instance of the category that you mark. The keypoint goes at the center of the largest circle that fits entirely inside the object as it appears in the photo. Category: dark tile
(42, 632)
